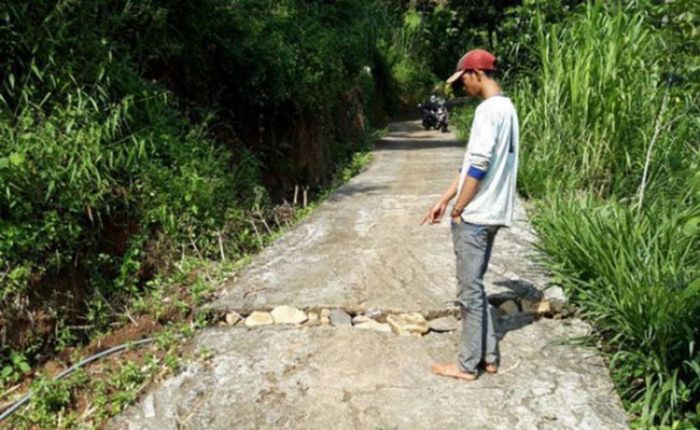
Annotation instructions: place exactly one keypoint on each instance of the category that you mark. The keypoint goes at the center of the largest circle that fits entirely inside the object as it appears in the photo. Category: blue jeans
(472, 246)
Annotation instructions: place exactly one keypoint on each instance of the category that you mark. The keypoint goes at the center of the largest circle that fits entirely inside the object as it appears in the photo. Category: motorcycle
(434, 114)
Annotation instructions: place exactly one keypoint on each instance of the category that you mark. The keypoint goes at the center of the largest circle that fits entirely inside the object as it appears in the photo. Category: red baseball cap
(476, 59)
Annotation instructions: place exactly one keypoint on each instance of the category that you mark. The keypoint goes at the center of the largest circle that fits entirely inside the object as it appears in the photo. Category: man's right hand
(435, 213)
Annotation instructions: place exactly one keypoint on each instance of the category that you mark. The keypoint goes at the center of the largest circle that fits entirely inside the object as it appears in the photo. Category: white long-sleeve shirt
(492, 157)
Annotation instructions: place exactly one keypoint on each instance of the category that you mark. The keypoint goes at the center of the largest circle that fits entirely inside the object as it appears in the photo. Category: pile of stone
(552, 304)
(280, 315)
(404, 324)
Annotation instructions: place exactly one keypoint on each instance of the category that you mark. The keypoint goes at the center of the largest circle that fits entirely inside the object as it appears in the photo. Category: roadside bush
(635, 277)
(135, 132)
(609, 154)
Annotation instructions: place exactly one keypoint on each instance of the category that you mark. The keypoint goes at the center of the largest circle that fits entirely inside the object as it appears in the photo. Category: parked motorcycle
(434, 114)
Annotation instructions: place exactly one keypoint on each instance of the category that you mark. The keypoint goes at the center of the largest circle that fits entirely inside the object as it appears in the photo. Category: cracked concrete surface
(361, 249)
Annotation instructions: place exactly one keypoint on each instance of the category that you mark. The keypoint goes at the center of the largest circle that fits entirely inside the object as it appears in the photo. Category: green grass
(633, 276)
(608, 156)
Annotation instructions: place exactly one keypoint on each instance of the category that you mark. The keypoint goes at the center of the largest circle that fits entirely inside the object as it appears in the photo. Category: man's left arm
(480, 149)
(469, 189)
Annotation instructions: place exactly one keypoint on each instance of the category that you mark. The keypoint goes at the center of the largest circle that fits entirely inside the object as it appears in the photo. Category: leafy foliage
(133, 132)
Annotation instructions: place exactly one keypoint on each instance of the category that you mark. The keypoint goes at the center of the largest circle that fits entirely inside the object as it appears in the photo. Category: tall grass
(597, 97)
(609, 154)
(632, 275)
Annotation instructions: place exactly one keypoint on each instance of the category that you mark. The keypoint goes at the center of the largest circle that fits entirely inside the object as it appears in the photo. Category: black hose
(9, 411)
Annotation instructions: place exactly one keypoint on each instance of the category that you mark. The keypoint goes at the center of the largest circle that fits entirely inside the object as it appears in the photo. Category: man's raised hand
(435, 213)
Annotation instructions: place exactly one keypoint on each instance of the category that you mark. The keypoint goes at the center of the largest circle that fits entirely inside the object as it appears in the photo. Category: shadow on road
(348, 190)
(411, 144)
(508, 323)
(521, 289)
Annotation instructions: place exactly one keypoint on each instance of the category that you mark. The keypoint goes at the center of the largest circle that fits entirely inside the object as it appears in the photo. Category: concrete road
(363, 250)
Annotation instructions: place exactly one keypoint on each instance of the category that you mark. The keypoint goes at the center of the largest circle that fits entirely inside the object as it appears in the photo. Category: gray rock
(340, 318)
(448, 323)
(373, 313)
(509, 307)
(557, 298)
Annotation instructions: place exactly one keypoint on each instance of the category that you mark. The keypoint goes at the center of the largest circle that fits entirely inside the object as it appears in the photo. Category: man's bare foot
(491, 367)
(453, 371)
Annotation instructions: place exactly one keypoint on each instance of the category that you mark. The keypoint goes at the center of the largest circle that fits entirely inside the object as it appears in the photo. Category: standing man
(485, 190)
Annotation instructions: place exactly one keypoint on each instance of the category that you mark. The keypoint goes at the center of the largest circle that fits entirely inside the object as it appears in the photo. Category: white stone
(408, 324)
(325, 313)
(312, 318)
(448, 323)
(258, 318)
(361, 319)
(286, 314)
(233, 318)
(374, 325)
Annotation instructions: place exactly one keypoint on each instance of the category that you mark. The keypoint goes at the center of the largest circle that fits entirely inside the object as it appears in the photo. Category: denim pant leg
(491, 354)
(473, 244)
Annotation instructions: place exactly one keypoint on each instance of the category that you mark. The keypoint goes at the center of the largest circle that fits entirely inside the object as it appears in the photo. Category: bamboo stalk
(657, 130)
(257, 233)
(221, 246)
